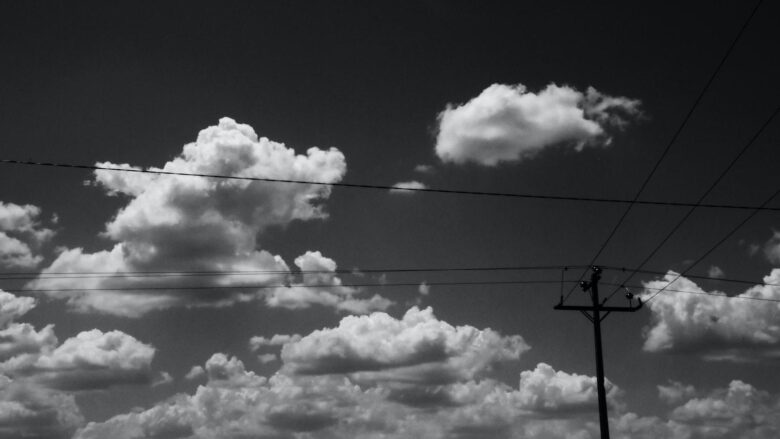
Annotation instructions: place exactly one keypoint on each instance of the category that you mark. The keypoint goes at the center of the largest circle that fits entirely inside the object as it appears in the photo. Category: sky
(137, 305)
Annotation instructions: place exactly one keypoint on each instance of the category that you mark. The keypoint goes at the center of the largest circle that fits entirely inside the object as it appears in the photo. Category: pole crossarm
(561, 307)
(597, 312)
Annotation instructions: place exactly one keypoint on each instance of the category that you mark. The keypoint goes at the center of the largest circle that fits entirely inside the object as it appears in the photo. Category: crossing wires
(673, 139)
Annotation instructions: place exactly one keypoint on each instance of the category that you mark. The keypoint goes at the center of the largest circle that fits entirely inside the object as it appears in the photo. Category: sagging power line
(674, 138)
(385, 187)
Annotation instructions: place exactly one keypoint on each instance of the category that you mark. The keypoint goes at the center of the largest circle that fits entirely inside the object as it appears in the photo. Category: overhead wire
(715, 246)
(15, 276)
(673, 139)
(701, 293)
(386, 187)
(109, 274)
(237, 287)
(712, 186)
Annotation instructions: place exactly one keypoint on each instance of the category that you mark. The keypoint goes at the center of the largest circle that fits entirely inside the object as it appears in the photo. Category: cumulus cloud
(38, 375)
(715, 326)
(772, 248)
(28, 410)
(21, 235)
(243, 404)
(424, 169)
(416, 348)
(715, 271)
(407, 187)
(321, 286)
(545, 389)
(508, 123)
(331, 402)
(740, 410)
(196, 372)
(258, 342)
(90, 360)
(675, 391)
(180, 223)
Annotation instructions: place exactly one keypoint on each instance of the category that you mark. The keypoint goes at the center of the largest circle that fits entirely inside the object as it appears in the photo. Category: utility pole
(596, 318)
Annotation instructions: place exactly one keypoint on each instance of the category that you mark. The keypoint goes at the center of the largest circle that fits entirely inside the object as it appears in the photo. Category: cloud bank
(317, 394)
(508, 123)
(40, 376)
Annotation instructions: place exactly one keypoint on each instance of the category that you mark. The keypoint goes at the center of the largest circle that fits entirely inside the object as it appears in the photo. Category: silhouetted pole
(596, 318)
(594, 293)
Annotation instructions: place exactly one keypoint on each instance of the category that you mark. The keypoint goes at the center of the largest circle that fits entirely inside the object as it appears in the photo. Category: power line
(384, 187)
(717, 244)
(692, 276)
(685, 217)
(111, 274)
(673, 139)
(701, 293)
(173, 274)
(236, 287)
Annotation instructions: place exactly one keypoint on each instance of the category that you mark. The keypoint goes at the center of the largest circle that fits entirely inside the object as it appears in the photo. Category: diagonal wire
(383, 187)
(673, 139)
(685, 217)
(717, 244)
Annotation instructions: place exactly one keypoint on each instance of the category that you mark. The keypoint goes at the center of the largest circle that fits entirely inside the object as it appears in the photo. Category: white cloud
(509, 123)
(545, 389)
(37, 374)
(715, 326)
(321, 286)
(404, 187)
(180, 223)
(196, 372)
(236, 402)
(715, 271)
(162, 379)
(424, 289)
(258, 342)
(21, 235)
(416, 348)
(12, 307)
(90, 360)
(30, 411)
(21, 343)
(424, 169)
(772, 248)
(675, 392)
(242, 404)
(741, 410)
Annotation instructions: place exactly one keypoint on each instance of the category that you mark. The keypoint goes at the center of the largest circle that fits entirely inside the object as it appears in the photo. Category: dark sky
(132, 82)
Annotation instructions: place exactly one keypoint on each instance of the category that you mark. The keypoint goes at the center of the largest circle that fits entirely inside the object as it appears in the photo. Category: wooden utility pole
(596, 318)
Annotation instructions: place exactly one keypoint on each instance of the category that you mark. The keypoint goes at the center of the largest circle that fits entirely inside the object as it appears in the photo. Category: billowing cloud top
(714, 325)
(416, 348)
(508, 123)
(181, 223)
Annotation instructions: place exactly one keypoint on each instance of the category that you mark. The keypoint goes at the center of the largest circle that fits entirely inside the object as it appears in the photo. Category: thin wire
(691, 276)
(123, 274)
(231, 287)
(763, 299)
(383, 187)
(167, 274)
(673, 139)
(720, 177)
(717, 244)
